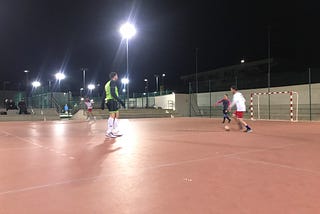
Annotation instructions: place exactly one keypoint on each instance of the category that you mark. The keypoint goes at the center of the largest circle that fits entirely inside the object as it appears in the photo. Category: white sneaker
(111, 135)
(117, 133)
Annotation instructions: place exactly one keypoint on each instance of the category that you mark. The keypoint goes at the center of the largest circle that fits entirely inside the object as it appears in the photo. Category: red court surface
(171, 165)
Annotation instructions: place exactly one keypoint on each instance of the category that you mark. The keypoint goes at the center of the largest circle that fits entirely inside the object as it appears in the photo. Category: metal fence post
(210, 107)
(190, 104)
(310, 96)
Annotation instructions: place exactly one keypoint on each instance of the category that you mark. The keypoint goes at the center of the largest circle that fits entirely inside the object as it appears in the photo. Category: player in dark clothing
(112, 100)
(225, 104)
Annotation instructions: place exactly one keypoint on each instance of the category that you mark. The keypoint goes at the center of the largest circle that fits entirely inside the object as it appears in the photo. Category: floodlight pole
(310, 96)
(128, 94)
(269, 70)
(197, 86)
(84, 79)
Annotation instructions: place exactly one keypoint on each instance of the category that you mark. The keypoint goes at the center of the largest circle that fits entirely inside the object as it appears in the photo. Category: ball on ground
(227, 128)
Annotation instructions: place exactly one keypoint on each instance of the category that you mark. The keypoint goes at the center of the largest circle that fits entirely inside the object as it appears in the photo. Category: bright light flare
(125, 81)
(36, 84)
(60, 76)
(91, 86)
(127, 31)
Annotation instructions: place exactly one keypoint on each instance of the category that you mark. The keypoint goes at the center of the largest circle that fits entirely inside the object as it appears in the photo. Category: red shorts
(239, 114)
(90, 110)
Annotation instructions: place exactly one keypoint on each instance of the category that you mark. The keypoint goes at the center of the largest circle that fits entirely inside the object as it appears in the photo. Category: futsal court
(168, 165)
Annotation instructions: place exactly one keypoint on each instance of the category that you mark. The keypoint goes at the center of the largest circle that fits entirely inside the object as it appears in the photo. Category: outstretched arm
(218, 102)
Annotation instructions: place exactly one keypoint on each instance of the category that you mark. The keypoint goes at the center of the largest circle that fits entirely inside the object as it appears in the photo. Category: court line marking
(61, 154)
(100, 177)
(276, 165)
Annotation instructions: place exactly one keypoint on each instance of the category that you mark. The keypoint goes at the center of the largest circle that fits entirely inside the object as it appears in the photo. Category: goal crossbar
(291, 93)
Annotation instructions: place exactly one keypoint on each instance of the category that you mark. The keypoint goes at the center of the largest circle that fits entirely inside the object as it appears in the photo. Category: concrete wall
(166, 101)
(279, 104)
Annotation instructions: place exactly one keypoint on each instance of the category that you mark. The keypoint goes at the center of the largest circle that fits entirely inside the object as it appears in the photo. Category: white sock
(116, 124)
(110, 125)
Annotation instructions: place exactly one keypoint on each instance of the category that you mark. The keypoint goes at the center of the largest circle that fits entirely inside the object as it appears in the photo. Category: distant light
(123, 90)
(163, 75)
(242, 61)
(124, 81)
(26, 71)
(81, 89)
(82, 99)
(36, 84)
(91, 86)
(144, 93)
(60, 76)
(127, 31)
(146, 80)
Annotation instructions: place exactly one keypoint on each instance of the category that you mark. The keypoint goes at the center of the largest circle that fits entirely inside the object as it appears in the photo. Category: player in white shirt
(89, 105)
(240, 102)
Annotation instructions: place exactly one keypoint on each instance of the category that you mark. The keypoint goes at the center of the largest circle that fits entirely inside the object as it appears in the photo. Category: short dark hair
(234, 87)
(112, 74)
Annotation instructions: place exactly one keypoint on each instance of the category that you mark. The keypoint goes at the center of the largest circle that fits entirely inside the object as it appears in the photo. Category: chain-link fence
(266, 103)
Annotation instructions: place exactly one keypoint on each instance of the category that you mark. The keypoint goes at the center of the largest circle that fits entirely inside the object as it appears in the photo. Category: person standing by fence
(225, 105)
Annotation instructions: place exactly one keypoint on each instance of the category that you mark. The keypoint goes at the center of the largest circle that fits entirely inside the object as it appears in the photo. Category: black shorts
(112, 105)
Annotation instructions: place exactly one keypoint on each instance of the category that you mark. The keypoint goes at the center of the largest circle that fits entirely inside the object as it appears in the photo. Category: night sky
(47, 36)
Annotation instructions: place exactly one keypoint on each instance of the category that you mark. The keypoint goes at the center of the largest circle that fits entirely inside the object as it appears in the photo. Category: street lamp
(242, 61)
(27, 82)
(163, 76)
(125, 82)
(36, 84)
(91, 87)
(60, 76)
(127, 31)
(157, 82)
(146, 91)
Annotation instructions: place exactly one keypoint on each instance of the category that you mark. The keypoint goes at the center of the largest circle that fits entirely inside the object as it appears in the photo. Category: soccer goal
(275, 105)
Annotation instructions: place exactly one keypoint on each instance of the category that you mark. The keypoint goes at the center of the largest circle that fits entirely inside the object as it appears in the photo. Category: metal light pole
(163, 76)
(197, 87)
(310, 96)
(127, 31)
(157, 82)
(269, 70)
(27, 83)
(84, 79)
(147, 92)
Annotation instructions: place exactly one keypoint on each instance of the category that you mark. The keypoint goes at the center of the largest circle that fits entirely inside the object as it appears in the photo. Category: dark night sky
(45, 36)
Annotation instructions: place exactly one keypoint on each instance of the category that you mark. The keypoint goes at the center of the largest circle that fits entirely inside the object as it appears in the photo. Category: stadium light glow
(91, 87)
(125, 81)
(60, 76)
(36, 84)
(127, 31)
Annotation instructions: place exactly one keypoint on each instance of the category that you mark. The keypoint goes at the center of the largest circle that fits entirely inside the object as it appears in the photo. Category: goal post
(293, 109)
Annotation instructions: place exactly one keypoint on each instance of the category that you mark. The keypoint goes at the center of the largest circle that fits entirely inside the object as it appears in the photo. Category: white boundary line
(227, 156)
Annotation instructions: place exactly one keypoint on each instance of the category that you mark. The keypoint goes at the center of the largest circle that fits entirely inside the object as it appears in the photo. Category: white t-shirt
(239, 101)
(89, 104)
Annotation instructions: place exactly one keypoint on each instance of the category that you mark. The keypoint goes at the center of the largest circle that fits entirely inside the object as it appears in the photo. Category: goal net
(274, 105)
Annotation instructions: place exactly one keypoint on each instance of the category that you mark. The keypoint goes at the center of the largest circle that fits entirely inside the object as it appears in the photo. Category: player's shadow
(91, 161)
